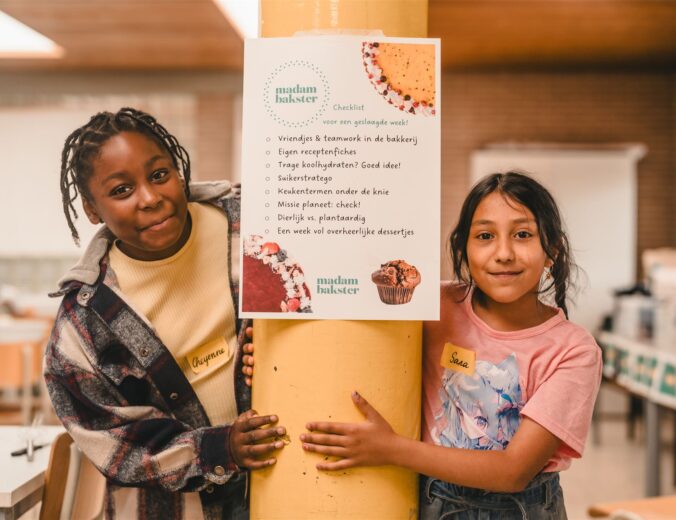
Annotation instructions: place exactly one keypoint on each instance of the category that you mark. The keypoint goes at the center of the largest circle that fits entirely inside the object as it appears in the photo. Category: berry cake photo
(403, 73)
(271, 281)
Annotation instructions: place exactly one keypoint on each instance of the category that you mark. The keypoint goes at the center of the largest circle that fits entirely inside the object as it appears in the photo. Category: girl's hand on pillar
(248, 359)
(250, 440)
(368, 443)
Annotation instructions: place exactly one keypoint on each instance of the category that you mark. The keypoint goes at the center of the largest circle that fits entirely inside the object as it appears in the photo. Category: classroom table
(21, 481)
(655, 508)
(649, 372)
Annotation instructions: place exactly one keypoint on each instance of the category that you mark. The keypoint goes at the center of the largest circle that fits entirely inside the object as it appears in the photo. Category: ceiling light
(242, 14)
(20, 41)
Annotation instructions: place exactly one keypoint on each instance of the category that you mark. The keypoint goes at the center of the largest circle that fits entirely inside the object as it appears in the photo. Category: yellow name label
(459, 359)
(209, 356)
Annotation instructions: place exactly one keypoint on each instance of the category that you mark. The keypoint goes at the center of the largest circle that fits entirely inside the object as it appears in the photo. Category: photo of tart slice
(403, 73)
(271, 281)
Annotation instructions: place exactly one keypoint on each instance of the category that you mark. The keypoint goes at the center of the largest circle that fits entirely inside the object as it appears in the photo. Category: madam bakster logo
(296, 93)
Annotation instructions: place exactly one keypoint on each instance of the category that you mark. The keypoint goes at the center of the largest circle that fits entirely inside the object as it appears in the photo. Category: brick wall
(213, 137)
(568, 107)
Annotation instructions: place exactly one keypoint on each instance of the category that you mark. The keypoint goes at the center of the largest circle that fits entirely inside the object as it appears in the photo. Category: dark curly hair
(84, 144)
(531, 194)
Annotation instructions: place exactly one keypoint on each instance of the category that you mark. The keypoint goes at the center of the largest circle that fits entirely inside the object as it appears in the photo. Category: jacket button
(209, 489)
(85, 295)
(219, 470)
(144, 352)
(173, 396)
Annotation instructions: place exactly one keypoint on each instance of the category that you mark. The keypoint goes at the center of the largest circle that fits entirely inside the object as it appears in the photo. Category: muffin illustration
(396, 280)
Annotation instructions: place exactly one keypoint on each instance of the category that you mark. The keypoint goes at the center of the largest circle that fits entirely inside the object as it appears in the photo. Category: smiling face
(504, 253)
(137, 191)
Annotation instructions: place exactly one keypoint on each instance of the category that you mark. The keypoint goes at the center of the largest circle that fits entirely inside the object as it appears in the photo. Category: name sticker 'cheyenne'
(209, 356)
(458, 359)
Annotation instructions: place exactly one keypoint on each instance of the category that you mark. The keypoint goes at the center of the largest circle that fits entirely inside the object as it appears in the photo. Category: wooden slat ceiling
(555, 33)
(476, 34)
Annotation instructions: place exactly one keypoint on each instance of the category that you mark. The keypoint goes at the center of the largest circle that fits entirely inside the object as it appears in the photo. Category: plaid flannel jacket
(123, 398)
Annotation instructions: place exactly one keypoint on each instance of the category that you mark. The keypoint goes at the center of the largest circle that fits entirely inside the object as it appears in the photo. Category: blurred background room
(580, 93)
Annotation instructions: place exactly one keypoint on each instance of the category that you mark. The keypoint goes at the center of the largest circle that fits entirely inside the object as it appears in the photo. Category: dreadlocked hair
(553, 238)
(84, 144)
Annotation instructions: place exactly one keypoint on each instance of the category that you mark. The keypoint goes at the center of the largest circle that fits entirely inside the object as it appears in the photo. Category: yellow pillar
(306, 370)
(406, 18)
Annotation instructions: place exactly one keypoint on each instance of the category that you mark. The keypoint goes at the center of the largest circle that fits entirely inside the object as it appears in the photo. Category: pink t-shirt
(550, 373)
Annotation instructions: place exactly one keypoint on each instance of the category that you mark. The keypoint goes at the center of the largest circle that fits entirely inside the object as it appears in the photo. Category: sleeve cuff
(215, 458)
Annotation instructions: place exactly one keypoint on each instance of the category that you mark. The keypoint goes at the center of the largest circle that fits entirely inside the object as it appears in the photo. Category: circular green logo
(296, 93)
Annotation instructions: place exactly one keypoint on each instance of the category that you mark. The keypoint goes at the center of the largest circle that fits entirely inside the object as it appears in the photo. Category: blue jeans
(541, 500)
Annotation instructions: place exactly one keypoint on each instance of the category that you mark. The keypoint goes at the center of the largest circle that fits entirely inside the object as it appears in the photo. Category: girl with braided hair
(144, 364)
(508, 382)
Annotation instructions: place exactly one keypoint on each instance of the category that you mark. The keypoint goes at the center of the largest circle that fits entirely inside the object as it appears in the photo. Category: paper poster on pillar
(341, 178)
